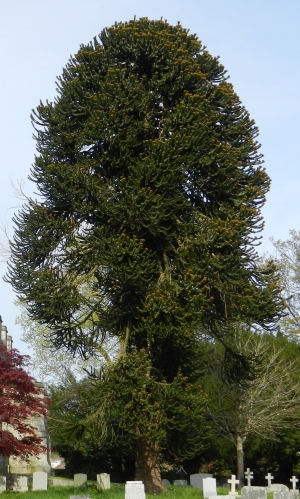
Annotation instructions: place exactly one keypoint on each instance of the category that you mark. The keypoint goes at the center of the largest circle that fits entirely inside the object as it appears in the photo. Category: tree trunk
(240, 460)
(147, 466)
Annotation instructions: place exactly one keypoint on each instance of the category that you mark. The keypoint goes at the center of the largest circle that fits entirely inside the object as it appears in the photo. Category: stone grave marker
(294, 494)
(80, 480)
(249, 492)
(196, 480)
(20, 484)
(209, 487)
(281, 494)
(165, 482)
(80, 497)
(135, 490)
(39, 480)
(269, 477)
(248, 476)
(62, 483)
(294, 480)
(233, 482)
(180, 483)
(2, 483)
(103, 481)
(278, 487)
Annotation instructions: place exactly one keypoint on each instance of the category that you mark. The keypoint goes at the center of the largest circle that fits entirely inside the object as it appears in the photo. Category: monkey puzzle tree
(150, 185)
(102, 415)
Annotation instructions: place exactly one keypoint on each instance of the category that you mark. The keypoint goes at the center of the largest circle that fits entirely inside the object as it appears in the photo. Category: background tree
(279, 455)
(151, 186)
(20, 399)
(75, 435)
(54, 366)
(260, 407)
(288, 260)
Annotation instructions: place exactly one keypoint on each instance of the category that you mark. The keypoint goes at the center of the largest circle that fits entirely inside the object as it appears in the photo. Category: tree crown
(151, 187)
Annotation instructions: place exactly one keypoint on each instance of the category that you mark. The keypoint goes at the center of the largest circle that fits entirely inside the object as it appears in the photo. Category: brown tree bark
(147, 466)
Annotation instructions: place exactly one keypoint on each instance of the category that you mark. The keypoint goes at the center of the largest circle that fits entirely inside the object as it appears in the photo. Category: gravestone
(61, 483)
(39, 480)
(196, 480)
(103, 481)
(248, 476)
(80, 480)
(20, 484)
(294, 480)
(2, 483)
(165, 482)
(281, 494)
(294, 494)
(135, 490)
(250, 492)
(80, 497)
(269, 477)
(180, 483)
(278, 487)
(233, 482)
(209, 487)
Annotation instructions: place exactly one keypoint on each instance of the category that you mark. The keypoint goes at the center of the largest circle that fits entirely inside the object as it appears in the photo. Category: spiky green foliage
(150, 185)
(149, 407)
(125, 403)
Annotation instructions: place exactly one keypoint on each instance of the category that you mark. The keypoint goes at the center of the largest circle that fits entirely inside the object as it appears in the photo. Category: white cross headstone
(248, 476)
(269, 477)
(294, 480)
(233, 483)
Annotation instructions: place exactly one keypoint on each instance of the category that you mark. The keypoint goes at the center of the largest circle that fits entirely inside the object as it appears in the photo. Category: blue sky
(258, 42)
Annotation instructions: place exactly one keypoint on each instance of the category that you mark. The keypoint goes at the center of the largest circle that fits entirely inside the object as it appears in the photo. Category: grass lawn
(117, 491)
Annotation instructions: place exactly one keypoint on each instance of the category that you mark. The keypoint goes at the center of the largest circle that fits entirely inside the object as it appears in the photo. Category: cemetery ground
(116, 491)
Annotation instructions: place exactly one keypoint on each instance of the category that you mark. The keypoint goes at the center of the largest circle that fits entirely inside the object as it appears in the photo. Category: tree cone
(147, 466)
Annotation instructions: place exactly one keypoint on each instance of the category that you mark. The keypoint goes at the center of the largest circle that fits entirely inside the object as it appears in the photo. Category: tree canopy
(263, 406)
(288, 260)
(150, 187)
